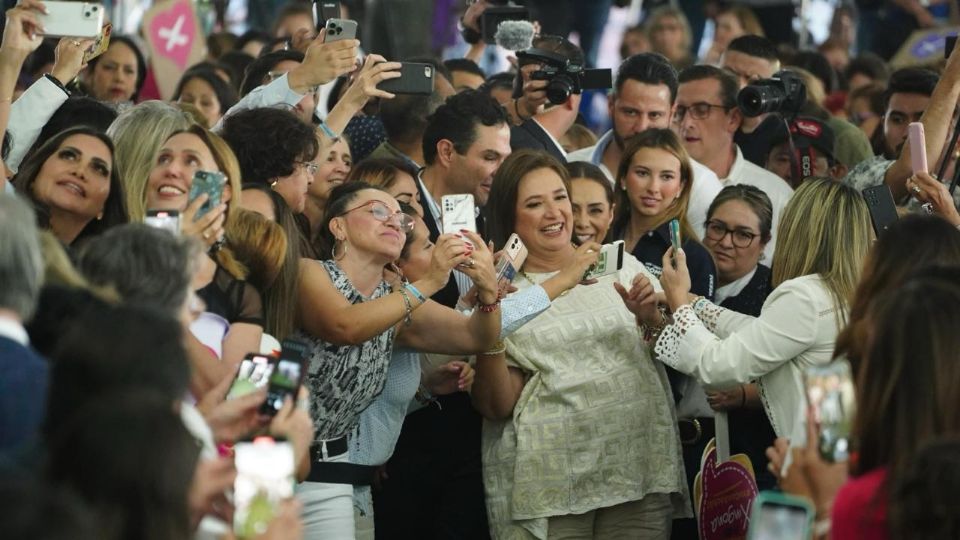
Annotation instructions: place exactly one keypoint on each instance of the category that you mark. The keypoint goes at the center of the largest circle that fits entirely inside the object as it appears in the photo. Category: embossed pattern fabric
(594, 426)
(344, 379)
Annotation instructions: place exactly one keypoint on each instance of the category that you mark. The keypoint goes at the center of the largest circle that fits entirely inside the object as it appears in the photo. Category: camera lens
(755, 100)
(559, 89)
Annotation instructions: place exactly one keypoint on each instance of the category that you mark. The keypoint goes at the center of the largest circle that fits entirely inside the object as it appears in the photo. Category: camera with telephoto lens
(783, 93)
(566, 77)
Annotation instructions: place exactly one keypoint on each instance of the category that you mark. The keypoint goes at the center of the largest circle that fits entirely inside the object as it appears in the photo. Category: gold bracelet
(498, 348)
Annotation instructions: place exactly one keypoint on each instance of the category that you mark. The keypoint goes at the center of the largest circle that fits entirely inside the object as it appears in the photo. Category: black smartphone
(414, 79)
(287, 375)
(324, 10)
(883, 211)
(948, 44)
(493, 16)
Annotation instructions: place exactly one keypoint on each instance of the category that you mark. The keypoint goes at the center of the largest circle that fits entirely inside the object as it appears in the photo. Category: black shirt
(756, 145)
(703, 273)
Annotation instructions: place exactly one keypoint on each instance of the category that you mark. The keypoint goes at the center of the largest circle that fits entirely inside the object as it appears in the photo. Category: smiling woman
(73, 184)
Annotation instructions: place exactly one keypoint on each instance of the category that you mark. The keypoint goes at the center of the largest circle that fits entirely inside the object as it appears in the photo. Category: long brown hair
(668, 141)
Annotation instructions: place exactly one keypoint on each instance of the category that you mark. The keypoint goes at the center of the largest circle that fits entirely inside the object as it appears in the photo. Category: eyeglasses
(382, 213)
(717, 230)
(698, 111)
(274, 75)
(310, 166)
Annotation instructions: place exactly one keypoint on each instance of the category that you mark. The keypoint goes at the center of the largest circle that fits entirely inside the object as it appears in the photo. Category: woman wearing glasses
(352, 318)
(738, 228)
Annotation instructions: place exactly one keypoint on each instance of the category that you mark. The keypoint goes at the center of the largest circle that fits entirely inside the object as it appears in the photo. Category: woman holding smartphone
(580, 437)
(233, 322)
(353, 317)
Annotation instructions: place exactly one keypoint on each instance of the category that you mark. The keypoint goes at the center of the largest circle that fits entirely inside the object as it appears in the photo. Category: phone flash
(427, 71)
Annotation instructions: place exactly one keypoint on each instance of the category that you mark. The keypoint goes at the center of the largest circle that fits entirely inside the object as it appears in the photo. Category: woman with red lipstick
(353, 318)
(580, 437)
(117, 75)
(74, 185)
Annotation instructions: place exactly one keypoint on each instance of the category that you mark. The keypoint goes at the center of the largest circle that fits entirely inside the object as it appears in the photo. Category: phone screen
(168, 220)
(830, 393)
(284, 381)
(775, 521)
(264, 478)
(253, 374)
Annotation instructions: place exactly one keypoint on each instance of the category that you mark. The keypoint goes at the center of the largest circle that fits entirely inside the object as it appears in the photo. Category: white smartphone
(458, 213)
(340, 29)
(514, 254)
(778, 516)
(73, 19)
(918, 147)
(164, 219)
(264, 478)
(609, 262)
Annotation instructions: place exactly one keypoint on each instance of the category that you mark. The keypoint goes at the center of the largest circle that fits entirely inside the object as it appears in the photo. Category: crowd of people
(437, 397)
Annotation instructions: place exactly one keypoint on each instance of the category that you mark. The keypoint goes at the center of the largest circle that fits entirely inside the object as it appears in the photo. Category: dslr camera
(566, 77)
(783, 93)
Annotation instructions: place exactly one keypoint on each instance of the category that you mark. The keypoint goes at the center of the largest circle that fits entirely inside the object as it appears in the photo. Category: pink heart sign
(172, 32)
(723, 495)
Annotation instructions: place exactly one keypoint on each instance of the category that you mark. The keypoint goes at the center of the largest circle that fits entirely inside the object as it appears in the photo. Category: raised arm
(375, 70)
(20, 38)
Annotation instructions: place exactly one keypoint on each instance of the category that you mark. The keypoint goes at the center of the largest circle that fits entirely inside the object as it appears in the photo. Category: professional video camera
(783, 93)
(566, 77)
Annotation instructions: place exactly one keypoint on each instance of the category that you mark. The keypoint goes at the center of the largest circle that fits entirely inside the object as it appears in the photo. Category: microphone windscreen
(514, 35)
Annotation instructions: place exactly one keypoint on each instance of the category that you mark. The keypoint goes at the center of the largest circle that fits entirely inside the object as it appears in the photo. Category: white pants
(327, 508)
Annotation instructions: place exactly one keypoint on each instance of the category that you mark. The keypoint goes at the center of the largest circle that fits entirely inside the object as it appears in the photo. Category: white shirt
(552, 139)
(278, 92)
(14, 331)
(28, 114)
(733, 288)
(797, 328)
(745, 172)
(705, 186)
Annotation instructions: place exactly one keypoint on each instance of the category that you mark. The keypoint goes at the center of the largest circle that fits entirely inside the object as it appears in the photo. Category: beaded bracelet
(327, 131)
(489, 308)
(416, 292)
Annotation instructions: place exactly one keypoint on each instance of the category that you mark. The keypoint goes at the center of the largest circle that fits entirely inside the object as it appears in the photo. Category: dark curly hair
(456, 120)
(268, 142)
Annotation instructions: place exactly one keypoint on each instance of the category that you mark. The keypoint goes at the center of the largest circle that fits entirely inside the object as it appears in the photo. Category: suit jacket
(531, 135)
(23, 393)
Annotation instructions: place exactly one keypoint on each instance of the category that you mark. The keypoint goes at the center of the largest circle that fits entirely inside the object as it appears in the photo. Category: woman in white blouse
(826, 232)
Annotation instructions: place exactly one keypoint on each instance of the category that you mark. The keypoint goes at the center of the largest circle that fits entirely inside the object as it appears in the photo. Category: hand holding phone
(71, 19)
(778, 516)
(511, 260)
(675, 238)
(287, 375)
(339, 30)
(918, 148)
(610, 261)
(100, 45)
(265, 477)
(458, 213)
(212, 184)
(830, 394)
(414, 79)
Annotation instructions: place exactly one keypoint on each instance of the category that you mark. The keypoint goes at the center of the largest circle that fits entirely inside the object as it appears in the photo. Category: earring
(343, 252)
(623, 187)
(99, 216)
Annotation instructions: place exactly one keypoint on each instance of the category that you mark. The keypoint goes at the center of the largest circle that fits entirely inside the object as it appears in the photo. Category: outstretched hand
(675, 278)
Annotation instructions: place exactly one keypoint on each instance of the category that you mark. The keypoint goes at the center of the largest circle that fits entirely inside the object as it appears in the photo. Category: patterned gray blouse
(344, 379)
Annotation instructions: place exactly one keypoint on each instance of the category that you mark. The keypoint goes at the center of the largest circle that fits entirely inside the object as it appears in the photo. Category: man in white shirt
(644, 94)
(707, 118)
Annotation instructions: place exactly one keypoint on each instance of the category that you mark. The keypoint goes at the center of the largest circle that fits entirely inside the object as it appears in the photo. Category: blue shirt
(23, 393)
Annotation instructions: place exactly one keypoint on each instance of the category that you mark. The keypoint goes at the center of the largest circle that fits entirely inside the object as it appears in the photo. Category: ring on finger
(206, 235)
(915, 189)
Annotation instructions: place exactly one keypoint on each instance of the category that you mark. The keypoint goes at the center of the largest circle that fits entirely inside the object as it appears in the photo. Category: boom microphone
(514, 35)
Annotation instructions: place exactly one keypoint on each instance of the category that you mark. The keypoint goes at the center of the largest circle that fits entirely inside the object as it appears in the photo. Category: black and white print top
(344, 379)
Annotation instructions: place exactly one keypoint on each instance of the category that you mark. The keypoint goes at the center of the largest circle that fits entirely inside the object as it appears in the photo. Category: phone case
(101, 45)
(210, 183)
(163, 219)
(514, 254)
(324, 10)
(883, 211)
(458, 213)
(609, 262)
(918, 148)
(830, 393)
(414, 79)
(340, 29)
(675, 234)
(72, 19)
(778, 516)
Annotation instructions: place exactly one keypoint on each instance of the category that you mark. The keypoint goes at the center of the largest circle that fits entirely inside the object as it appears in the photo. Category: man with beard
(644, 94)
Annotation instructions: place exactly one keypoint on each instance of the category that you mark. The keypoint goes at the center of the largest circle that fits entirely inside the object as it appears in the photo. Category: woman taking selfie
(73, 184)
(592, 199)
(580, 371)
(226, 294)
(826, 232)
(352, 317)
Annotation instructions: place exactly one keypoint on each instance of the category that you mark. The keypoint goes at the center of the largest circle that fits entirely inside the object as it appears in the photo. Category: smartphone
(675, 236)
(71, 19)
(164, 219)
(414, 78)
(948, 45)
(458, 213)
(493, 16)
(254, 373)
(609, 262)
(883, 210)
(265, 477)
(514, 254)
(324, 10)
(340, 29)
(210, 183)
(830, 394)
(100, 45)
(918, 147)
(778, 516)
(287, 375)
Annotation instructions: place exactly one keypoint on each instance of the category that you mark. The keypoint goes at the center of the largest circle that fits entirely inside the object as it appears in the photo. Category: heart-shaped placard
(723, 496)
(172, 32)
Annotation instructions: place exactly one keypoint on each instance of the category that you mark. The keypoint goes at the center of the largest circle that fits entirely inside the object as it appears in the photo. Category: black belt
(331, 472)
(694, 430)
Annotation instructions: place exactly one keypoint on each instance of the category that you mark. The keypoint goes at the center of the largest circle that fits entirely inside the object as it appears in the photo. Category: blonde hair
(825, 230)
(260, 243)
(138, 133)
(746, 17)
(669, 11)
(816, 92)
(668, 141)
